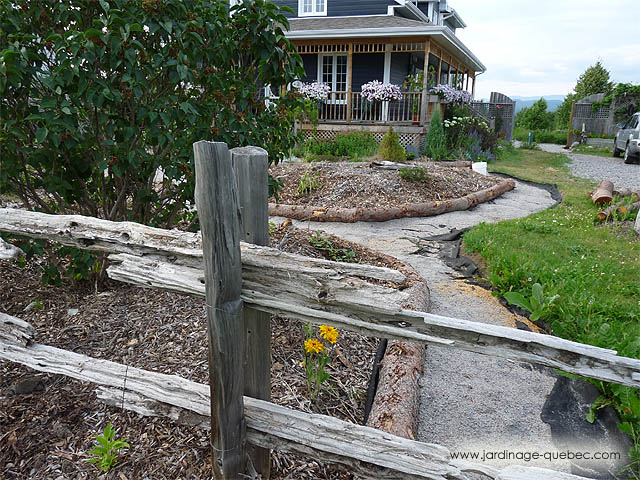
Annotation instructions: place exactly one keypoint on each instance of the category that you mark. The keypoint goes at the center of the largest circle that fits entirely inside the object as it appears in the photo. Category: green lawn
(593, 150)
(594, 269)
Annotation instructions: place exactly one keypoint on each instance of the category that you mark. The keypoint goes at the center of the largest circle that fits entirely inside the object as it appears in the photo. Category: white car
(627, 139)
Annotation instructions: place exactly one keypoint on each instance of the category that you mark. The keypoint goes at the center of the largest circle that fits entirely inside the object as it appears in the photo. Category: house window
(310, 8)
(332, 70)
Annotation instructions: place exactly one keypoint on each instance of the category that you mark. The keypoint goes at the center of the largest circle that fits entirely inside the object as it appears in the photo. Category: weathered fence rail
(370, 453)
(347, 296)
(235, 278)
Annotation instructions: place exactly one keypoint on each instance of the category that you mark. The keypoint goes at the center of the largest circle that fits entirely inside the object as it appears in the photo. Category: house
(347, 43)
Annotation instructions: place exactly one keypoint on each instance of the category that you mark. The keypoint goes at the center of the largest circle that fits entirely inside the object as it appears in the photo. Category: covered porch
(345, 65)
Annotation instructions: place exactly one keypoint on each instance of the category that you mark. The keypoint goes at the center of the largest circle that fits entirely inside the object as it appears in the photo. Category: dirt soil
(48, 422)
(351, 185)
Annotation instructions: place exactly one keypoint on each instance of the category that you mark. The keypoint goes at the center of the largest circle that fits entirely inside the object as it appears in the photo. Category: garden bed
(48, 425)
(350, 192)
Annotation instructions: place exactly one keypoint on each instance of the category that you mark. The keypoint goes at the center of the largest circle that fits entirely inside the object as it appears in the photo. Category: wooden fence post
(250, 165)
(219, 215)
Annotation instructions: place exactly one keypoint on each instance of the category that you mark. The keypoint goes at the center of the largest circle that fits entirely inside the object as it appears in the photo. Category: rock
(27, 385)
(72, 311)
(637, 227)
(565, 411)
(8, 251)
(412, 149)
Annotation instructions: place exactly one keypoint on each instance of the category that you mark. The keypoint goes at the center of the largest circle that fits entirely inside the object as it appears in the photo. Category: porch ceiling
(358, 28)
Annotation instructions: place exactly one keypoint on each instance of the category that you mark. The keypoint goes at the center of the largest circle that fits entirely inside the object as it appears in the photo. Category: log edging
(396, 401)
(426, 209)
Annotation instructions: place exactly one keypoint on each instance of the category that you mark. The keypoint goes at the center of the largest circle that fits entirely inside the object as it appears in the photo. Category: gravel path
(469, 402)
(599, 168)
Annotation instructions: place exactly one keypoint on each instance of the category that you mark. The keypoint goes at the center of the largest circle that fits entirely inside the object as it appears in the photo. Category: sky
(536, 48)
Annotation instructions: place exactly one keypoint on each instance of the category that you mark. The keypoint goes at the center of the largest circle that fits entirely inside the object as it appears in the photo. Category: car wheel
(628, 158)
(616, 150)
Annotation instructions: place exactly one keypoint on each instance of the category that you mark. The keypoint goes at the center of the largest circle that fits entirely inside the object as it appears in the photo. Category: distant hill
(553, 102)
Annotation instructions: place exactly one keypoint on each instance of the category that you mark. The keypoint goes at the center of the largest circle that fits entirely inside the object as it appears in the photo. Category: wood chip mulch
(48, 422)
(351, 185)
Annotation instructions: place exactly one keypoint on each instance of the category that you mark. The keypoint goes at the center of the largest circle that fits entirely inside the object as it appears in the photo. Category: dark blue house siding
(340, 8)
(367, 67)
(400, 64)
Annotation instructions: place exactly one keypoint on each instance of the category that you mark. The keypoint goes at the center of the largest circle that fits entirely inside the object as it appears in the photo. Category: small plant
(106, 452)
(309, 182)
(417, 174)
(390, 148)
(336, 254)
(316, 356)
(537, 304)
(435, 143)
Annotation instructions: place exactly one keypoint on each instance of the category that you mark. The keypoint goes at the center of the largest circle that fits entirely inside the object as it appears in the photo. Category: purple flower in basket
(451, 95)
(376, 91)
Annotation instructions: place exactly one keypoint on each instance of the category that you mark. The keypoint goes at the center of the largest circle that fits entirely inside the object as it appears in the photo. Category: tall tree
(595, 79)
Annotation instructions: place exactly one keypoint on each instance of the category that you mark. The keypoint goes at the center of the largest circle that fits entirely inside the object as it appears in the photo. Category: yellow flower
(313, 346)
(330, 334)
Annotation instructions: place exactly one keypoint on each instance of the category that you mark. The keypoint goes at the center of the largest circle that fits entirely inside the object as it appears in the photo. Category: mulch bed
(48, 422)
(357, 185)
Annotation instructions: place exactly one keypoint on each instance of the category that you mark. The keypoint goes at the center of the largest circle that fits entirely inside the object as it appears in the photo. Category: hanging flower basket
(316, 91)
(376, 91)
(451, 95)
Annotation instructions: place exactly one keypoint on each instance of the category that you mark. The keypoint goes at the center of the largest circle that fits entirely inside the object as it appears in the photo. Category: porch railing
(340, 108)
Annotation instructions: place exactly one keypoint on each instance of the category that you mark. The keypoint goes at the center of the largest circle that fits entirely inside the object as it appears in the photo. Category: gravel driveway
(599, 168)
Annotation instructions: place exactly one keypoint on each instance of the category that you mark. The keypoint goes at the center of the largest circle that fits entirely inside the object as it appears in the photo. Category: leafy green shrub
(390, 148)
(417, 174)
(435, 143)
(309, 182)
(321, 147)
(106, 452)
(312, 158)
(95, 96)
(336, 254)
(356, 145)
(559, 137)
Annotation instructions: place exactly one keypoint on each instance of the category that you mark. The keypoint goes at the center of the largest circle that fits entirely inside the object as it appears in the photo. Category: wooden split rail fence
(243, 283)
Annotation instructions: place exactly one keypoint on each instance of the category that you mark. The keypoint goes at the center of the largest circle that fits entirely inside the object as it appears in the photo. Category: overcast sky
(535, 48)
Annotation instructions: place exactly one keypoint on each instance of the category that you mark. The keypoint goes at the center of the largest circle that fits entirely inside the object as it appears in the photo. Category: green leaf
(537, 293)
(41, 134)
(516, 298)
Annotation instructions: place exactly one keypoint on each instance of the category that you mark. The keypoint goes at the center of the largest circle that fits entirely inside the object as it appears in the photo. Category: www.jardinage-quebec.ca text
(529, 456)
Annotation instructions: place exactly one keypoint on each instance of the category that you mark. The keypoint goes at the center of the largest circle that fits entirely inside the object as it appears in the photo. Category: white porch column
(386, 78)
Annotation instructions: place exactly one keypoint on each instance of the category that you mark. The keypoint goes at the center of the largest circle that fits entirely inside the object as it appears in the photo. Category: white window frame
(314, 11)
(334, 74)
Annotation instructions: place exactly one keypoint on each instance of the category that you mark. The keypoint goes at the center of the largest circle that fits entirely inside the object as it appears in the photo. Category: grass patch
(593, 269)
(558, 137)
(593, 150)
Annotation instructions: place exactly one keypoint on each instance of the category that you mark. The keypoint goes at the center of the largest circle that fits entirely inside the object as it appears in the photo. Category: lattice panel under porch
(405, 139)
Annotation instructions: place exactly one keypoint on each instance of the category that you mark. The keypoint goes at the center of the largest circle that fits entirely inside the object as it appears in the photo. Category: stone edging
(352, 215)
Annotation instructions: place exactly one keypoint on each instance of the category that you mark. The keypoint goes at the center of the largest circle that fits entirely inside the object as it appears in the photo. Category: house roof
(342, 23)
(372, 26)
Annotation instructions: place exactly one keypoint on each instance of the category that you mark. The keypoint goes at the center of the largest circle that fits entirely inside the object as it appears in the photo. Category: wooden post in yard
(219, 215)
(573, 109)
(250, 165)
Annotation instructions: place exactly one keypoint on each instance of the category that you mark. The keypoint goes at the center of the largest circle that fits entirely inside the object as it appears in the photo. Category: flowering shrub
(316, 91)
(376, 91)
(451, 95)
(470, 138)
